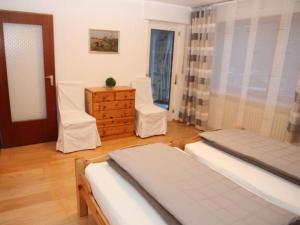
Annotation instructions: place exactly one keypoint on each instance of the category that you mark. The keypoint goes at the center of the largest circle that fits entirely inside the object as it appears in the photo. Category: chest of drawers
(114, 110)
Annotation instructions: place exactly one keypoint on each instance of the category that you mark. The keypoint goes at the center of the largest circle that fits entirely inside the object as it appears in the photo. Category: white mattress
(260, 182)
(120, 202)
(123, 205)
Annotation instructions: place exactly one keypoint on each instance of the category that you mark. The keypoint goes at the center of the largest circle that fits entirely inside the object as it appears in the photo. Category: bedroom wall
(166, 12)
(73, 19)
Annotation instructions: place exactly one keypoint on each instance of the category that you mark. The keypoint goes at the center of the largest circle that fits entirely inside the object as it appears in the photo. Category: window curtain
(195, 101)
(256, 66)
(294, 121)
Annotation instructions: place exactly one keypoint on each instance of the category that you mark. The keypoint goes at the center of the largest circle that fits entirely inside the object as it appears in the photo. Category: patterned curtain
(194, 106)
(294, 121)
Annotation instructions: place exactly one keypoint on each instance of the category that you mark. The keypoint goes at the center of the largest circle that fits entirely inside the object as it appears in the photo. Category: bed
(109, 197)
(252, 178)
(113, 200)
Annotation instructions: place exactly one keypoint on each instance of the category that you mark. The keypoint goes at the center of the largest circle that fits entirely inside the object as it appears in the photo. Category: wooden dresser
(114, 109)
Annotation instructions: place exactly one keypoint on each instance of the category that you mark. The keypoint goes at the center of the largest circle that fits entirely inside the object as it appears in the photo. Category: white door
(176, 71)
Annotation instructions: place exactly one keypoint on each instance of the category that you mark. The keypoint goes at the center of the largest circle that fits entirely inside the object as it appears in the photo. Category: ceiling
(190, 3)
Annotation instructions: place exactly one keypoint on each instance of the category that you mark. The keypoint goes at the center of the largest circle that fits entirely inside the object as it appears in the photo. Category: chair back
(143, 90)
(70, 96)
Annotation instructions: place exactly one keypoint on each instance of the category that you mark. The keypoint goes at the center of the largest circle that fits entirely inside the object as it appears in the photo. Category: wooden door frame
(35, 126)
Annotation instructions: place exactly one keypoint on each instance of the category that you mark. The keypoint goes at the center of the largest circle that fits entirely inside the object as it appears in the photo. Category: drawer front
(110, 137)
(103, 96)
(125, 104)
(106, 131)
(112, 114)
(115, 122)
(123, 95)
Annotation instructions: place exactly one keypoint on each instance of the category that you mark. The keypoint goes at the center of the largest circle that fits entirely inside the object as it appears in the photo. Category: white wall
(167, 12)
(73, 19)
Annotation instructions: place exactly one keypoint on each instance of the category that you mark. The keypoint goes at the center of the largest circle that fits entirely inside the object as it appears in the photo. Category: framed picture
(104, 41)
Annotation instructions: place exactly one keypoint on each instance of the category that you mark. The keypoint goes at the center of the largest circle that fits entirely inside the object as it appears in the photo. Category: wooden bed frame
(85, 198)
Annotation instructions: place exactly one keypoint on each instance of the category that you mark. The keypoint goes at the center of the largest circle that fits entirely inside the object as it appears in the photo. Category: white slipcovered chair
(150, 119)
(77, 129)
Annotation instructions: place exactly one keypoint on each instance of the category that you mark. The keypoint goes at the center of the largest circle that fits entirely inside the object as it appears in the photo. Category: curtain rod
(215, 3)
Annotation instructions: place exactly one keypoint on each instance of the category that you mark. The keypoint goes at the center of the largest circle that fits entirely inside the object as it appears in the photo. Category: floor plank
(37, 183)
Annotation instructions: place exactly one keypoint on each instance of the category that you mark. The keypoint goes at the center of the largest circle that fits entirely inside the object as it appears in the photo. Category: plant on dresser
(114, 110)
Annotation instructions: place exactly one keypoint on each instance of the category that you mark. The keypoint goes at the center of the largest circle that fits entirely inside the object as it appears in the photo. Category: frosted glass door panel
(25, 71)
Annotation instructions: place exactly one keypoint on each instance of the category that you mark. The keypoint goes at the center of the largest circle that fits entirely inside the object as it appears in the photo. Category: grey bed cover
(280, 158)
(193, 193)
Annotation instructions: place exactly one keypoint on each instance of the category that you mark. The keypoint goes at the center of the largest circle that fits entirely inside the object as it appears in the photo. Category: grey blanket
(192, 192)
(277, 157)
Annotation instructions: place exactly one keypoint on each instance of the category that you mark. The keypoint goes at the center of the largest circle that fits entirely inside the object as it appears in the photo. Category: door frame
(177, 64)
(34, 130)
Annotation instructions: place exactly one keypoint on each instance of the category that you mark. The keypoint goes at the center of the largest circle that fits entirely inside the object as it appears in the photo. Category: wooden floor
(37, 183)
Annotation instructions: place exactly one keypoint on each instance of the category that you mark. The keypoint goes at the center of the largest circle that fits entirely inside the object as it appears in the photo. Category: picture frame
(104, 41)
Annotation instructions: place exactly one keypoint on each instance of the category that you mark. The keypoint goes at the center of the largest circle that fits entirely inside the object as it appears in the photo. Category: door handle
(51, 79)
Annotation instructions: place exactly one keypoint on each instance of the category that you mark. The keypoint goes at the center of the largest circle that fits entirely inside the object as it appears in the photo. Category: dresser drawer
(116, 122)
(114, 110)
(106, 131)
(123, 95)
(112, 114)
(125, 104)
(103, 96)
